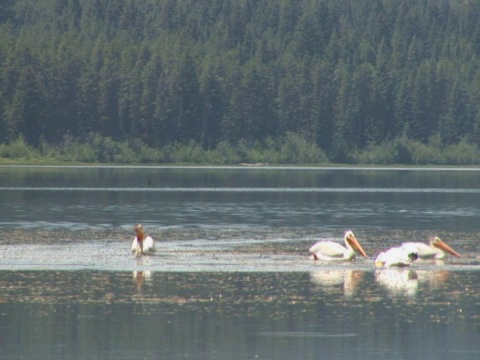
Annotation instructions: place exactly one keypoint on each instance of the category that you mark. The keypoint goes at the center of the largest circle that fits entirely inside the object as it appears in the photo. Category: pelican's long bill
(352, 240)
(443, 246)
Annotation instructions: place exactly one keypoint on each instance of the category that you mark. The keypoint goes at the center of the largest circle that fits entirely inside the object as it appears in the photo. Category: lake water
(232, 278)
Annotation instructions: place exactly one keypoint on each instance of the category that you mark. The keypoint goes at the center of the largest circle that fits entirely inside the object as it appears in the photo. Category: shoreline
(346, 167)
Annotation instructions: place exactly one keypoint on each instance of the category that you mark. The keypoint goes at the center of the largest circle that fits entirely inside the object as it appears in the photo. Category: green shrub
(462, 153)
(422, 154)
(380, 155)
(18, 150)
(296, 150)
(223, 154)
(146, 154)
(187, 153)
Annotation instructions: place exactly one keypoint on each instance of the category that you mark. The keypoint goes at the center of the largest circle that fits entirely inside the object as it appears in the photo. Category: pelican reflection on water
(329, 280)
(398, 281)
(406, 281)
(434, 278)
(140, 277)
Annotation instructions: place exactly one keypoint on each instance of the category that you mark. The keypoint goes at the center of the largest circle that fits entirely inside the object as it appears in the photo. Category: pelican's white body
(148, 246)
(426, 251)
(331, 250)
(436, 249)
(397, 256)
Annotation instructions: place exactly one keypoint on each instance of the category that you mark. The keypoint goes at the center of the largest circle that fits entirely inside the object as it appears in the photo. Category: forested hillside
(357, 80)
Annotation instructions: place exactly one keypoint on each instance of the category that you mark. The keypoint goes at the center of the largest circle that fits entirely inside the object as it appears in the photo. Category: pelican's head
(351, 240)
(439, 244)
(139, 231)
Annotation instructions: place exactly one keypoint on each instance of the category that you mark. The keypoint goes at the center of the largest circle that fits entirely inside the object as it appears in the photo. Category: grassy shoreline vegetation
(293, 149)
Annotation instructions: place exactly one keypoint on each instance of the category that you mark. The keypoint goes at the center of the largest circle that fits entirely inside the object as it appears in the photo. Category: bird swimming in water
(142, 243)
(331, 250)
(436, 249)
(399, 256)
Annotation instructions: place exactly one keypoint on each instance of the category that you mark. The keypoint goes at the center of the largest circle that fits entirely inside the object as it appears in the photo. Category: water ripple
(251, 189)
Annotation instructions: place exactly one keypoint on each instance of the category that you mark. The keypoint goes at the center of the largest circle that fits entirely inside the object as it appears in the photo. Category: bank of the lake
(293, 149)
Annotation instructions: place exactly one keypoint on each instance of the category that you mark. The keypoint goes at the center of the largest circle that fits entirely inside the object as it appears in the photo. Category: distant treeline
(222, 81)
(291, 149)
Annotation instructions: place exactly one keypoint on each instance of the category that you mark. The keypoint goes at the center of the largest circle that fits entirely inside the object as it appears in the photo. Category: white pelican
(331, 250)
(435, 250)
(397, 256)
(142, 244)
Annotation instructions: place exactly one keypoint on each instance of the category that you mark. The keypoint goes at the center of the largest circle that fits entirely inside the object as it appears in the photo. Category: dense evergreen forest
(372, 81)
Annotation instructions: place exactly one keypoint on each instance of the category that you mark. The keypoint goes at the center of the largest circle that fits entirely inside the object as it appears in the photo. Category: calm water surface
(236, 197)
(232, 279)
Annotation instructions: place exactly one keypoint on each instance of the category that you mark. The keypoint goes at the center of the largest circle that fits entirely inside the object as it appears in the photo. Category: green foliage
(228, 81)
(380, 154)
(296, 150)
(291, 149)
(462, 153)
(18, 150)
(223, 154)
(188, 153)
(421, 153)
(411, 152)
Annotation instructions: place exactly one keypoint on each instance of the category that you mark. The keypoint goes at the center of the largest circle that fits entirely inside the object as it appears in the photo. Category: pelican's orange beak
(441, 245)
(352, 240)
